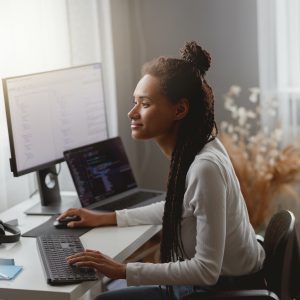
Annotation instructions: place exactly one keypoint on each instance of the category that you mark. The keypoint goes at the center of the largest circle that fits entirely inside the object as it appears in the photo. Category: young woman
(207, 239)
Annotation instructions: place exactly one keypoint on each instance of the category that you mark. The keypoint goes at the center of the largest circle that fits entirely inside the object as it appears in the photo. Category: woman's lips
(136, 125)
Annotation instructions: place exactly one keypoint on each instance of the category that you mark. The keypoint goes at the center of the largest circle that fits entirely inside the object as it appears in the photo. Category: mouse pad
(47, 228)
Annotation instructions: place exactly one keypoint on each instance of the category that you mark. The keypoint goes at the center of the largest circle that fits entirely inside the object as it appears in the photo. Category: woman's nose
(133, 114)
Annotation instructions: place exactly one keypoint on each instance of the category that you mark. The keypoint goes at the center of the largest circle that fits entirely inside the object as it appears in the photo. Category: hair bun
(197, 56)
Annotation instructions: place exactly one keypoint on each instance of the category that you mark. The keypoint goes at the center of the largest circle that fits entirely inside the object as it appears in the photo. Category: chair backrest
(278, 243)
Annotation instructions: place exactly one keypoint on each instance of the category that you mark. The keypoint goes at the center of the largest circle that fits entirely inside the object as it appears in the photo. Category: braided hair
(183, 78)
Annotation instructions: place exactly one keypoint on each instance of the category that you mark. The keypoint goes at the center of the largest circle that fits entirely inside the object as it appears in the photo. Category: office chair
(280, 244)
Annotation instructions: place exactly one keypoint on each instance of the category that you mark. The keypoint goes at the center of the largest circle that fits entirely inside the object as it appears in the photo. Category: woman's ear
(182, 108)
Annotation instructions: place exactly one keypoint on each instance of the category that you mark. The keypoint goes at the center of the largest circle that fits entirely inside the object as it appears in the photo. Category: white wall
(144, 29)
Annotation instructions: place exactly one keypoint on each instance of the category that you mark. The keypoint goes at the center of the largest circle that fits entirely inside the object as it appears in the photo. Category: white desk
(31, 284)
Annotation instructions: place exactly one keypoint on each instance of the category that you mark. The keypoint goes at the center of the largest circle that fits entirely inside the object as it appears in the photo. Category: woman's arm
(89, 218)
(147, 215)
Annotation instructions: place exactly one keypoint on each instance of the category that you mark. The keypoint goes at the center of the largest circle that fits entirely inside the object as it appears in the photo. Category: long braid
(173, 207)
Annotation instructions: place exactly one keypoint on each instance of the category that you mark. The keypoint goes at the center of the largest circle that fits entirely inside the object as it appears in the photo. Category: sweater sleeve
(206, 197)
(147, 215)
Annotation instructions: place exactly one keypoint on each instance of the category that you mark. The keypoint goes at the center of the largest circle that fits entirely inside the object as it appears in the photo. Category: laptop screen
(100, 170)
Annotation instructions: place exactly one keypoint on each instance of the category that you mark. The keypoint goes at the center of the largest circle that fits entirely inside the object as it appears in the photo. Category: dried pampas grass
(263, 176)
(263, 166)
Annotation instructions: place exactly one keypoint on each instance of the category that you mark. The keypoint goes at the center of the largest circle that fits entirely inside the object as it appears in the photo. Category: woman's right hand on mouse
(89, 218)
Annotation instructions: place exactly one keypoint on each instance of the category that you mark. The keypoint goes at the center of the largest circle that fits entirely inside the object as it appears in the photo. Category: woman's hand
(89, 218)
(99, 261)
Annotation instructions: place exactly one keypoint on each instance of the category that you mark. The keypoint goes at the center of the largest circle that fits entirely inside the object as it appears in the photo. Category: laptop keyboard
(54, 249)
(128, 201)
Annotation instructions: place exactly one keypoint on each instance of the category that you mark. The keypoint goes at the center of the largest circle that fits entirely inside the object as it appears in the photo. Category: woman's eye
(145, 105)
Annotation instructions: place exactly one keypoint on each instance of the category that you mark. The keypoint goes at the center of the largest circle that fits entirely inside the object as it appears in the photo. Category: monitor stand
(52, 202)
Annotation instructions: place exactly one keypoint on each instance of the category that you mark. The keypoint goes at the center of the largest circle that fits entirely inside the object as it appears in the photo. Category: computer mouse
(63, 222)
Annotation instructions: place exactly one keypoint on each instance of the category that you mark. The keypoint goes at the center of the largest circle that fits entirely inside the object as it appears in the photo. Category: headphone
(12, 238)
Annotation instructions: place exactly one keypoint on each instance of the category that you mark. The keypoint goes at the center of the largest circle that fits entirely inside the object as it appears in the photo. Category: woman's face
(153, 115)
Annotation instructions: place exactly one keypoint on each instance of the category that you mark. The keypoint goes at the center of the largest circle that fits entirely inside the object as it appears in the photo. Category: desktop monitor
(48, 113)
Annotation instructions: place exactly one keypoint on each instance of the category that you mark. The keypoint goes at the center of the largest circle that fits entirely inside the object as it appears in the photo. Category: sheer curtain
(279, 59)
(40, 35)
(279, 68)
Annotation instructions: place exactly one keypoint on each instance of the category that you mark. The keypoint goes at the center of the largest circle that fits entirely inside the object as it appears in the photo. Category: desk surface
(31, 284)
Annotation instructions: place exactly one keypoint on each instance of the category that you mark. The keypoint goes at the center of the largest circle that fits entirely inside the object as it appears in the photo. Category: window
(279, 59)
(44, 35)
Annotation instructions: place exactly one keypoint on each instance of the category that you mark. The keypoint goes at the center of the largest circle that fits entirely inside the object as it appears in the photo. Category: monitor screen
(51, 112)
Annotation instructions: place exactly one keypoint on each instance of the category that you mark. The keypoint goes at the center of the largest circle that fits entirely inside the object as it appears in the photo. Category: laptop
(104, 179)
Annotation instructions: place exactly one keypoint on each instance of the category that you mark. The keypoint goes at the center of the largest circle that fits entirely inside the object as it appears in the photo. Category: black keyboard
(53, 250)
(128, 201)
